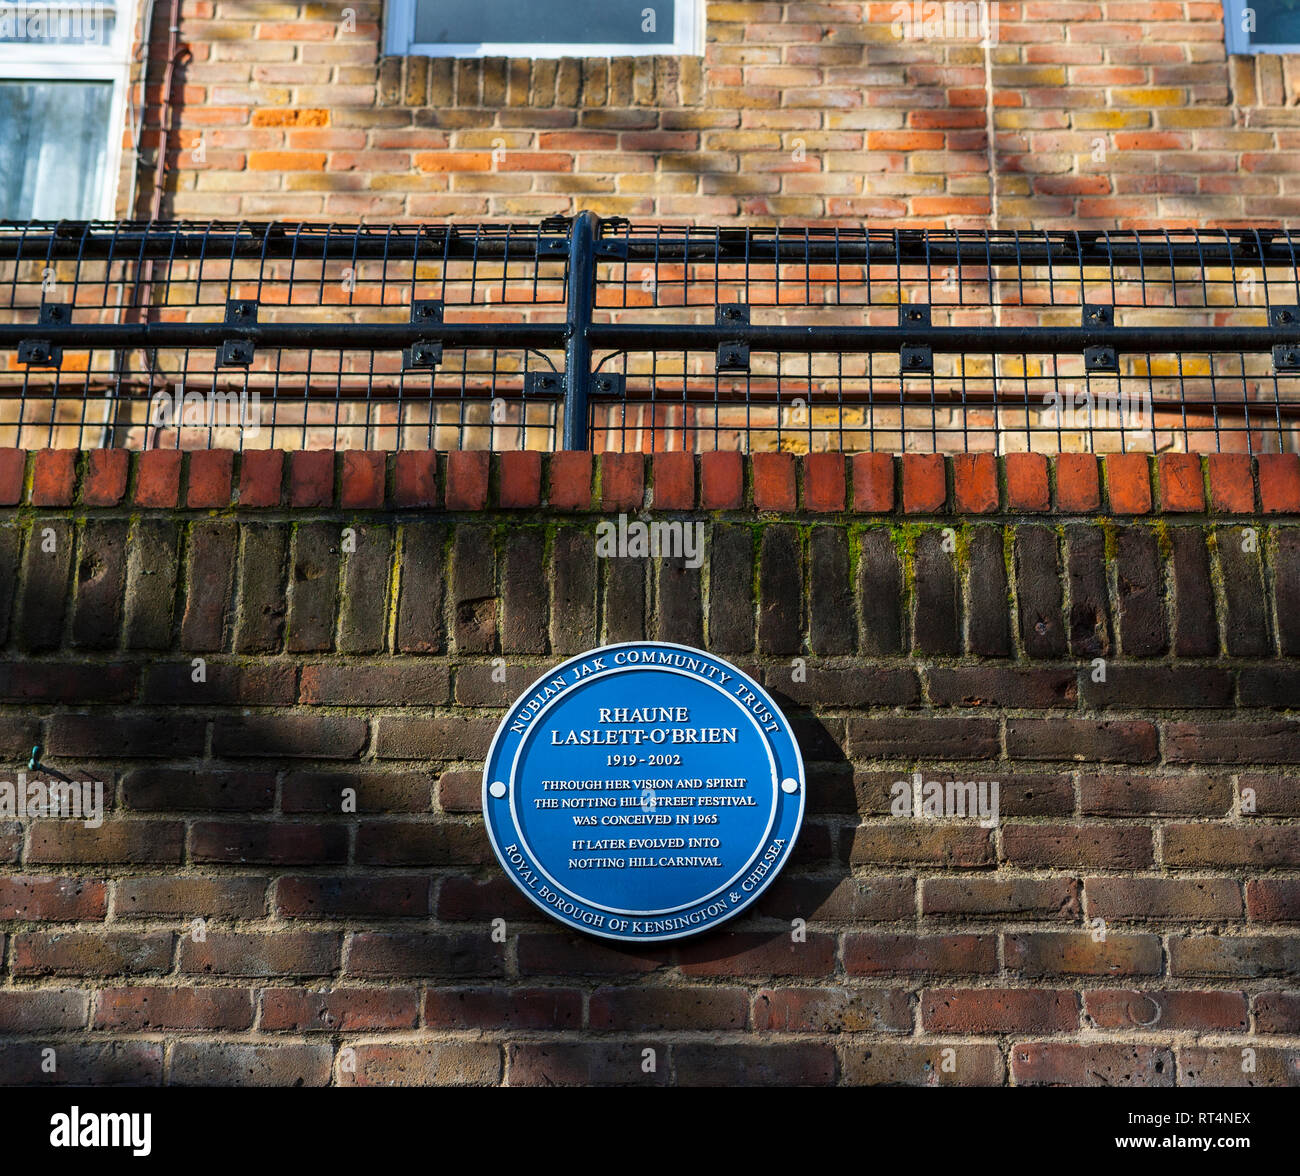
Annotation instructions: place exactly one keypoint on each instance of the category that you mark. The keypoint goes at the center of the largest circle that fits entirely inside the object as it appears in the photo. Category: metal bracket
(42, 352)
(1286, 357)
(732, 356)
(1098, 315)
(550, 246)
(609, 384)
(915, 359)
(240, 312)
(1100, 359)
(543, 383)
(424, 353)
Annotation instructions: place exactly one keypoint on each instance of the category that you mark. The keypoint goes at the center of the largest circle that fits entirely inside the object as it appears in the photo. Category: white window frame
(688, 39)
(1239, 41)
(88, 63)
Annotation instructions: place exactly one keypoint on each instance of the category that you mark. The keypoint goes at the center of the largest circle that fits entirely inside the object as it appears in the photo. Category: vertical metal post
(581, 294)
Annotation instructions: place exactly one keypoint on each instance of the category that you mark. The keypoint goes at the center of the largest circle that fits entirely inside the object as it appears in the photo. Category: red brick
(1027, 488)
(999, 1010)
(1232, 485)
(873, 483)
(211, 472)
(925, 484)
(975, 483)
(54, 477)
(364, 472)
(1128, 483)
(311, 477)
(521, 478)
(674, 481)
(1166, 1010)
(823, 482)
(106, 474)
(158, 478)
(722, 480)
(467, 479)
(1182, 486)
(570, 480)
(415, 478)
(1049, 1063)
(1279, 482)
(261, 476)
(773, 481)
(622, 481)
(1078, 488)
(13, 468)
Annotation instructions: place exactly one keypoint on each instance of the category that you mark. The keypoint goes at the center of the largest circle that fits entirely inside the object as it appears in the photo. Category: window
(1262, 26)
(544, 28)
(64, 70)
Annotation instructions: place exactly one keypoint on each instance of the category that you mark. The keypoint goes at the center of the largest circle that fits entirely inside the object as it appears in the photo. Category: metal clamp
(915, 359)
(424, 353)
(732, 356)
(240, 312)
(42, 352)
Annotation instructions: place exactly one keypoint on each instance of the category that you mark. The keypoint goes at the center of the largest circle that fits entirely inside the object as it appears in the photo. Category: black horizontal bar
(645, 338)
(945, 340)
(290, 336)
(275, 241)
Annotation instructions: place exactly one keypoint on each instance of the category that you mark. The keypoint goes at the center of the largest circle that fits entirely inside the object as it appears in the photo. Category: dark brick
(210, 563)
(573, 591)
(561, 1063)
(150, 583)
(277, 842)
(989, 898)
(84, 736)
(363, 609)
(1165, 1009)
(101, 582)
(1038, 591)
(811, 1064)
(420, 626)
(1234, 741)
(780, 592)
(1196, 628)
(313, 586)
(1049, 1063)
(1124, 794)
(1159, 687)
(731, 589)
(680, 613)
(1090, 624)
(191, 790)
(1001, 687)
(832, 623)
(382, 953)
(999, 1010)
(1246, 621)
(259, 624)
(1091, 846)
(949, 955)
(988, 614)
(936, 621)
(1081, 739)
(925, 739)
(1139, 580)
(451, 738)
(310, 736)
(388, 897)
(43, 589)
(222, 1063)
(421, 843)
(523, 591)
(473, 589)
(339, 1010)
(625, 601)
(879, 594)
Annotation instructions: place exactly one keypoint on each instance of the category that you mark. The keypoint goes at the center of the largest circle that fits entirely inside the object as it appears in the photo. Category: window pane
(61, 24)
(542, 22)
(1277, 22)
(53, 147)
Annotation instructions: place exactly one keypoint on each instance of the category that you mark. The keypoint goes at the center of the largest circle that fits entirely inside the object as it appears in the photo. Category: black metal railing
(591, 333)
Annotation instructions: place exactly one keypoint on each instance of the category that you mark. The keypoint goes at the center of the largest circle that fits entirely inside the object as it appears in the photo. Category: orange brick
(1128, 483)
(1182, 487)
(1027, 488)
(1232, 484)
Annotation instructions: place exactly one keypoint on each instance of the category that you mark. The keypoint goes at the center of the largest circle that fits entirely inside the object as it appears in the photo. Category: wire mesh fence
(602, 334)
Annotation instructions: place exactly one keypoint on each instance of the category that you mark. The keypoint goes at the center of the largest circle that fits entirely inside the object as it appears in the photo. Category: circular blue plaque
(643, 791)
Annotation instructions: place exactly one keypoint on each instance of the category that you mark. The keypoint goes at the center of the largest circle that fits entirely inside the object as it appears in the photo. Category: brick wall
(357, 946)
(1103, 114)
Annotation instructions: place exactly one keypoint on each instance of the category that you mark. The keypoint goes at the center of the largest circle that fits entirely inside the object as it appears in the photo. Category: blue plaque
(643, 791)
